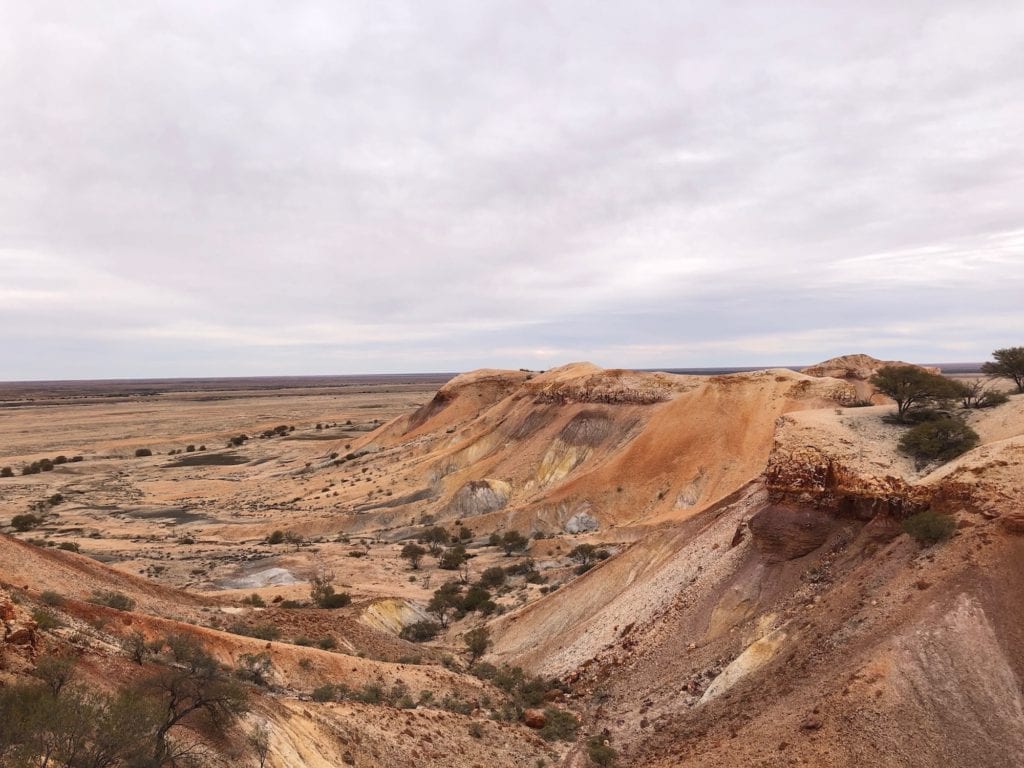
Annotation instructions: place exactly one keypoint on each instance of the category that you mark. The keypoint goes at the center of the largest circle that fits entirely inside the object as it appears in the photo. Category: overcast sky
(244, 188)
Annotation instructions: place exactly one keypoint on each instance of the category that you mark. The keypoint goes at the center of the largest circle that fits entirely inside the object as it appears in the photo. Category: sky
(266, 188)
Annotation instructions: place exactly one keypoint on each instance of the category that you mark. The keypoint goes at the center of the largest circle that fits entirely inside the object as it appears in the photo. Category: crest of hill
(858, 370)
(857, 366)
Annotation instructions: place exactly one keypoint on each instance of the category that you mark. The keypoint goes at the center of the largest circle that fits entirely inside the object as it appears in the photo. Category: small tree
(583, 553)
(435, 538)
(912, 387)
(477, 642)
(414, 554)
(259, 740)
(1008, 364)
(322, 593)
(446, 600)
(514, 541)
(195, 684)
(977, 394)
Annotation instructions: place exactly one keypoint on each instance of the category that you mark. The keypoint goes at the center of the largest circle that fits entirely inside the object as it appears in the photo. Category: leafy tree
(476, 599)
(414, 554)
(943, 439)
(445, 601)
(1008, 364)
(435, 538)
(912, 387)
(514, 541)
(477, 642)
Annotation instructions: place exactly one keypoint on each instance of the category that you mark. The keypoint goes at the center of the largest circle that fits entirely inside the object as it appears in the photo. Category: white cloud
(447, 185)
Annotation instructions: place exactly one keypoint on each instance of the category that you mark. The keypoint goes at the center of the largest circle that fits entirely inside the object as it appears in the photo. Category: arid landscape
(657, 569)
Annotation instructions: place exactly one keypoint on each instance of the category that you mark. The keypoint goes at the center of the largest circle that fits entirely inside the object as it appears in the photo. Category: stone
(534, 718)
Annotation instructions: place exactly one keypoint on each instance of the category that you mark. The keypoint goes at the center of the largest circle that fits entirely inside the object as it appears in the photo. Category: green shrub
(113, 599)
(420, 631)
(327, 643)
(259, 631)
(929, 527)
(600, 753)
(492, 577)
(325, 693)
(371, 693)
(25, 522)
(49, 597)
(254, 600)
(942, 440)
(68, 546)
(140, 452)
(559, 725)
(6, 472)
(277, 537)
(46, 619)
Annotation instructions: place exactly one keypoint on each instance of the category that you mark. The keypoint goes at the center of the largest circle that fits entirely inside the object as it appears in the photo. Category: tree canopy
(912, 387)
(1008, 364)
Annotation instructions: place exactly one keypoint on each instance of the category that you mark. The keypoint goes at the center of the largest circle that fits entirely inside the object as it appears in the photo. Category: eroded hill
(756, 600)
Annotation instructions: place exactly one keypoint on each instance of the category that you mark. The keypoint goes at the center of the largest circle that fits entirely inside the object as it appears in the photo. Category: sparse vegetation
(477, 642)
(559, 725)
(275, 538)
(259, 631)
(322, 593)
(141, 452)
(600, 752)
(513, 541)
(929, 527)
(113, 599)
(978, 394)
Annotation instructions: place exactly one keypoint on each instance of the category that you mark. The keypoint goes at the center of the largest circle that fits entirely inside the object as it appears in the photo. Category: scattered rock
(811, 723)
(534, 718)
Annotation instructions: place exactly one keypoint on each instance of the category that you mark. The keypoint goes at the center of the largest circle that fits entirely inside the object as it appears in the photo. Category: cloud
(346, 187)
